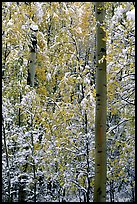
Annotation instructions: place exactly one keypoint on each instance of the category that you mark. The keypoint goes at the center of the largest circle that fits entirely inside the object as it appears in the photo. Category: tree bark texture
(9, 199)
(32, 68)
(101, 105)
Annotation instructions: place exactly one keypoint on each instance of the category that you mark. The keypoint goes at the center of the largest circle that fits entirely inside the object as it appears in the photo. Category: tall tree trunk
(32, 68)
(33, 49)
(7, 161)
(34, 166)
(101, 104)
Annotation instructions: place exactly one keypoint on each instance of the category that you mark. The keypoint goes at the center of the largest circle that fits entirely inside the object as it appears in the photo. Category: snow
(64, 4)
(119, 12)
(48, 76)
(39, 12)
(23, 27)
(8, 4)
(87, 67)
(10, 23)
(34, 27)
(84, 103)
(124, 51)
(131, 15)
(54, 147)
(79, 30)
(86, 80)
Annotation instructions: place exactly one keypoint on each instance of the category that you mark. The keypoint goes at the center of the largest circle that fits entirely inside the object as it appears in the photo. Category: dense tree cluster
(48, 101)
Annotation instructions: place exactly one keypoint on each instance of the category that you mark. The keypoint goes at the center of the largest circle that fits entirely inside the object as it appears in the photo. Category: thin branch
(114, 127)
(81, 187)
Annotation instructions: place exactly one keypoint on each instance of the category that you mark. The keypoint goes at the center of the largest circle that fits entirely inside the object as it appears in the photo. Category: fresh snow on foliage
(34, 27)
(48, 130)
(131, 15)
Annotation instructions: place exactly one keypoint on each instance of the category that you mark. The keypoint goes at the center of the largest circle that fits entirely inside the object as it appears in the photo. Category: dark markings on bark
(99, 12)
(98, 164)
(99, 191)
(97, 95)
(32, 49)
(99, 151)
(28, 78)
(103, 49)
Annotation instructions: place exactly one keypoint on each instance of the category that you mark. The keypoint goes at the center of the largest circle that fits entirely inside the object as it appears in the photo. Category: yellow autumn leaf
(37, 146)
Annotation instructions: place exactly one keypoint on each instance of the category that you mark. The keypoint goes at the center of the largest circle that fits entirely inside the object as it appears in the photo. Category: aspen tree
(101, 104)
(33, 47)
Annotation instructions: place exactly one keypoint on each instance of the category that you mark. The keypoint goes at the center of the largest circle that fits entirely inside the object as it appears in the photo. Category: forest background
(48, 129)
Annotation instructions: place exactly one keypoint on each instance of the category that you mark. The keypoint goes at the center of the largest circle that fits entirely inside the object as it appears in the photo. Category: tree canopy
(49, 99)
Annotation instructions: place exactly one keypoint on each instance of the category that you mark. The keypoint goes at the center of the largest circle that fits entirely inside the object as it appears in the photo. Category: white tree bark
(101, 105)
